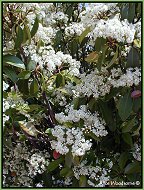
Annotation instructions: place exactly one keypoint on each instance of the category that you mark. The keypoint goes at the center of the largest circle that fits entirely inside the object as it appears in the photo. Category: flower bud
(136, 94)
(56, 154)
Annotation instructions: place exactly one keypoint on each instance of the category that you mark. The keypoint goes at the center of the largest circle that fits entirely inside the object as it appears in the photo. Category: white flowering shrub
(72, 94)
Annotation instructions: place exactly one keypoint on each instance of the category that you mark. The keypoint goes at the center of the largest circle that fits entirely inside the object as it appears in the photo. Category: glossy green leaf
(133, 168)
(68, 159)
(27, 34)
(13, 60)
(73, 47)
(69, 11)
(131, 12)
(34, 87)
(125, 106)
(58, 38)
(129, 125)
(99, 43)
(23, 86)
(60, 80)
(66, 172)
(127, 138)
(35, 27)
(84, 33)
(76, 102)
(34, 107)
(93, 136)
(31, 66)
(137, 103)
(106, 111)
(101, 58)
(10, 72)
(124, 12)
(113, 59)
(92, 57)
(19, 37)
(82, 181)
(133, 58)
(92, 104)
(54, 164)
(123, 159)
(24, 75)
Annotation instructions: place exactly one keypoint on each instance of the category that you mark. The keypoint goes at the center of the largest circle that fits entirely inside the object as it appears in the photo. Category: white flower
(5, 86)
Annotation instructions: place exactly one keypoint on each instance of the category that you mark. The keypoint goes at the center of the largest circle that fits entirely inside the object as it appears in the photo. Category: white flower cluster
(93, 10)
(122, 31)
(24, 164)
(130, 78)
(37, 163)
(55, 18)
(46, 56)
(69, 137)
(99, 83)
(137, 152)
(74, 29)
(46, 34)
(96, 174)
(58, 97)
(92, 122)
(95, 84)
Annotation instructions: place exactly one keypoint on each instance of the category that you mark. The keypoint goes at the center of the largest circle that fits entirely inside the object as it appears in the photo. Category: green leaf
(125, 106)
(31, 66)
(14, 61)
(10, 72)
(54, 164)
(92, 57)
(73, 47)
(133, 58)
(93, 136)
(84, 41)
(127, 138)
(27, 34)
(34, 87)
(29, 128)
(66, 172)
(113, 59)
(68, 159)
(40, 44)
(82, 181)
(133, 168)
(23, 86)
(137, 104)
(123, 159)
(84, 33)
(99, 43)
(76, 103)
(60, 80)
(124, 12)
(69, 11)
(106, 111)
(35, 27)
(101, 58)
(24, 75)
(129, 125)
(34, 107)
(92, 104)
(131, 12)
(19, 37)
(58, 38)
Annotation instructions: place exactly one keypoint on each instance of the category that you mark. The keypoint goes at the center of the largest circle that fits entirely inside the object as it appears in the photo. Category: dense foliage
(71, 95)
